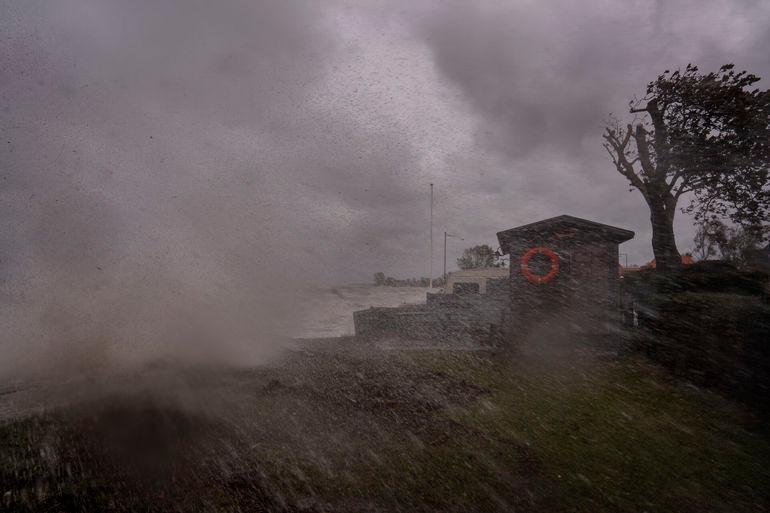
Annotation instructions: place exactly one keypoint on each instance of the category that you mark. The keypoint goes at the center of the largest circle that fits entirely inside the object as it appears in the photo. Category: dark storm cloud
(549, 73)
(542, 78)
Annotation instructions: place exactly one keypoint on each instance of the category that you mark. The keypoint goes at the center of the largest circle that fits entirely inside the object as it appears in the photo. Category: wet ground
(336, 426)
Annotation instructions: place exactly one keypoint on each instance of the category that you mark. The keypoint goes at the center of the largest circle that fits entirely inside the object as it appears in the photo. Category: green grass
(432, 431)
(621, 436)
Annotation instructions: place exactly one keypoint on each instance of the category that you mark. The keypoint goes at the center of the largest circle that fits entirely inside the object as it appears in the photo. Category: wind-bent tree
(704, 134)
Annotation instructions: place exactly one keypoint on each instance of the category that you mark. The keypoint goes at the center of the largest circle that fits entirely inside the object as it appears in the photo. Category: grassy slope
(426, 431)
(621, 437)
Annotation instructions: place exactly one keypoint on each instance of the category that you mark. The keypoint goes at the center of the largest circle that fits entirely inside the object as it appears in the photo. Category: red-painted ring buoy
(540, 278)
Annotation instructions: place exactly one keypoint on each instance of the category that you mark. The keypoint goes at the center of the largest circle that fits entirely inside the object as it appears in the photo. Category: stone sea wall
(444, 318)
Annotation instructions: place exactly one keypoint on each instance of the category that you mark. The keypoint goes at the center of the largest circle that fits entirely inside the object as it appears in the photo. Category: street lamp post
(445, 237)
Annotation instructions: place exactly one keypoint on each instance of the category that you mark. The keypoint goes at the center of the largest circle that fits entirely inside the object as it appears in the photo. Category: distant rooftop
(686, 260)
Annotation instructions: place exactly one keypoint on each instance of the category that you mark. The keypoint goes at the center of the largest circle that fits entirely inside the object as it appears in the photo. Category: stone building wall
(584, 294)
(444, 318)
(583, 298)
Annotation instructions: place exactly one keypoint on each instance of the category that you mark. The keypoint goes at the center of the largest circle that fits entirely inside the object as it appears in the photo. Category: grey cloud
(166, 164)
(543, 77)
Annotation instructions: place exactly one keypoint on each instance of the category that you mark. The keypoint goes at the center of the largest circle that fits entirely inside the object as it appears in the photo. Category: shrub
(710, 325)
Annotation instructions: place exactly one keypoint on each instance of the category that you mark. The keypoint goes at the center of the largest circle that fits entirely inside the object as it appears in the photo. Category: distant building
(473, 281)
(686, 260)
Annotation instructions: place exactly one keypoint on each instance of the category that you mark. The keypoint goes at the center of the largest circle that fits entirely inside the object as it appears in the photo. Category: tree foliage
(705, 242)
(478, 257)
(719, 133)
(735, 244)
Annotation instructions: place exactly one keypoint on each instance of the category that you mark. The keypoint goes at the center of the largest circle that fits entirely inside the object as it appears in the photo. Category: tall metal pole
(446, 236)
(430, 278)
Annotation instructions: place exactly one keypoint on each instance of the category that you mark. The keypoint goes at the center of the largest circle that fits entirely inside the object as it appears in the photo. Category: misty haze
(339, 256)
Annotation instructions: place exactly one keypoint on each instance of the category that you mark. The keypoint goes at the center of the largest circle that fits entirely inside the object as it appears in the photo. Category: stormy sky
(153, 150)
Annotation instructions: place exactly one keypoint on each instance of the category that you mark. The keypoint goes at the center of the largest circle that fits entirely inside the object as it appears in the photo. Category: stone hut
(564, 270)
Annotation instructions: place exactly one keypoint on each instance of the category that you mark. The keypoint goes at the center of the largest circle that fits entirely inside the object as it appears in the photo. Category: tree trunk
(667, 256)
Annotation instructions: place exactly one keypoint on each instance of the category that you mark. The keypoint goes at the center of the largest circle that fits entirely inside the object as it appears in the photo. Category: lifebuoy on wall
(540, 278)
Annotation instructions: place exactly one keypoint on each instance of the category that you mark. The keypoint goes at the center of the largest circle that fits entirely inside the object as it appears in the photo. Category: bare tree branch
(617, 151)
(672, 184)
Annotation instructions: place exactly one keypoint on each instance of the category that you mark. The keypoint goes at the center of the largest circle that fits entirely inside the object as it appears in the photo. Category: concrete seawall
(445, 318)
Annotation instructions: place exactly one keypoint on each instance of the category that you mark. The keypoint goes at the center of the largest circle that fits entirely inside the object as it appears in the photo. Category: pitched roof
(611, 233)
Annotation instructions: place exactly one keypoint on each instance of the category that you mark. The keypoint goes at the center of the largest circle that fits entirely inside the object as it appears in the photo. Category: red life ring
(540, 278)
